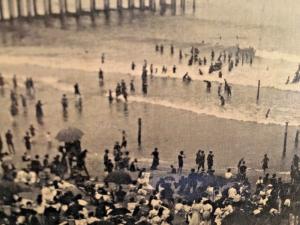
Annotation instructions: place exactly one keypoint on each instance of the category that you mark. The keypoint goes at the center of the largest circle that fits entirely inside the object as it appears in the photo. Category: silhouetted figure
(210, 161)
(155, 159)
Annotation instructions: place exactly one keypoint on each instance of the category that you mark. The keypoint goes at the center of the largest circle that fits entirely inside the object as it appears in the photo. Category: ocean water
(177, 115)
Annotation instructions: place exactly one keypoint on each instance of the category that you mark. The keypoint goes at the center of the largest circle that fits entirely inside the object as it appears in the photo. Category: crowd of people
(62, 192)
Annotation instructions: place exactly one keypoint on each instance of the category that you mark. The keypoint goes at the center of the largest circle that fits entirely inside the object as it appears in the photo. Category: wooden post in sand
(285, 138)
(297, 139)
(140, 131)
(258, 91)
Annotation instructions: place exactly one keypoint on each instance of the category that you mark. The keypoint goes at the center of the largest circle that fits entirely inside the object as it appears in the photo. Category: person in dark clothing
(208, 86)
(155, 160)
(27, 141)
(120, 194)
(64, 102)
(181, 156)
(32, 130)
(210, 160)
(265, 163)
(124, 141)
(110, 97)
(39, 110)
(1, 146)
(200, 160)
(76, 89)
(132, 88)
(243, 170)
(101, 78)
(173, 170)
(222, 100)
(9, 142)
(106, 158)
(133, 167)
(46, 161)
(36, 165)
(192, 180)
(110, 166)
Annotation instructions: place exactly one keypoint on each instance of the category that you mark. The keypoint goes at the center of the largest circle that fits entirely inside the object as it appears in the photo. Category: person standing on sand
(64, 103)
(76, 89)
(23, 101)
(27, 141)
(9, 141)
(124, 141)
(181, 156)
(265, 163)
(210, 161)
(1, 81)
(15, 82)
(39, 110)
(102, 58)
(155, 159)
(110, 97)
(222, 99)
(101, 77)
(132, 88)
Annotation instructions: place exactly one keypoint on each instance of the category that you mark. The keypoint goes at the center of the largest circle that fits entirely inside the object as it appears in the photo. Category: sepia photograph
(149, 112)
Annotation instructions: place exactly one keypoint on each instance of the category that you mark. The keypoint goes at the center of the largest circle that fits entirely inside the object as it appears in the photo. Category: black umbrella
(118, 177)
(69, 135)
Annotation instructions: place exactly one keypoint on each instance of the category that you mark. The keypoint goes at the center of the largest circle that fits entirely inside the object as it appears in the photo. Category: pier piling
(297, 139)
(35, 10)
(50, 7)
(11, 9)
(119, 5)
(139, 131)
(285, 139)
(258, 92)
(173, 7)
(130, 4)
(1, 11)
(142, 5)
(78, 8)
(19, 8)
(93, 9)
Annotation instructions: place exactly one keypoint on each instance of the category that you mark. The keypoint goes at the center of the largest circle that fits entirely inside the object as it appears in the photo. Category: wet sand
(171, 130)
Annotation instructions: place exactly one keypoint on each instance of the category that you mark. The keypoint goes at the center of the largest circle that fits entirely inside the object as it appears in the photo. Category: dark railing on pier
(16, 9)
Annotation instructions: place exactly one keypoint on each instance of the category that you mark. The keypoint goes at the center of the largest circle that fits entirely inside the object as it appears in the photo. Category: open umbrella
(118, 177)
(69, 135)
